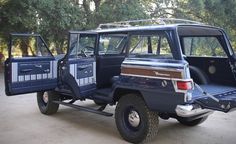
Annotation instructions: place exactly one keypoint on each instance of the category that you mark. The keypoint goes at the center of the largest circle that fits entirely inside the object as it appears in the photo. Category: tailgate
(225, 97)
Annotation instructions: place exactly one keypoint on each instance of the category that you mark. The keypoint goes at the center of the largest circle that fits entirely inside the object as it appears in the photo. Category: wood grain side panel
(151, 72)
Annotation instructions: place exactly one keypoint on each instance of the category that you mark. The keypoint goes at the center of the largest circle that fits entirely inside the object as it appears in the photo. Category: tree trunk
(97, 5)
(24, 48)
(59, 47)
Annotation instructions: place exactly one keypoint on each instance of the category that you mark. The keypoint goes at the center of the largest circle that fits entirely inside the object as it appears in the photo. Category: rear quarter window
(150, 45)
(203, 46)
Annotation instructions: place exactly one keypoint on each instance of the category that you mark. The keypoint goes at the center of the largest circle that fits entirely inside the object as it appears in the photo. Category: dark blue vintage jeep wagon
(184, 71)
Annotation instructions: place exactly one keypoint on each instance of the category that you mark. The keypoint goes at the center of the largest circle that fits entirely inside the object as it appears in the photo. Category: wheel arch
(154, 100)
(121, 91)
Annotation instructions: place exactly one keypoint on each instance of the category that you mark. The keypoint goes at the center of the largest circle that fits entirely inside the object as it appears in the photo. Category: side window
(28, 46)
(203, 46)
(112, 44)
(82, 45)
(156, 46)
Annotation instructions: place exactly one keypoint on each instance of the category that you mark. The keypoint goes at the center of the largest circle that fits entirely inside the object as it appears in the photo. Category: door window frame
(27, 35)
(67, 56)
(169, 37)
(123, 51)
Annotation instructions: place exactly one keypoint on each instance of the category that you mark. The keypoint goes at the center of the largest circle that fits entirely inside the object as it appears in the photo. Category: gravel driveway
(22, 123)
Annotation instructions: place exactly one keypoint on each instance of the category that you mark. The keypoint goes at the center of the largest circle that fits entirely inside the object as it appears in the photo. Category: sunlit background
(54, 18)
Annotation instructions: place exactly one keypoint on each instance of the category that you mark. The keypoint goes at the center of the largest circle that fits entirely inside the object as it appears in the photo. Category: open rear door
(215, 97)
(30, 66)
(78, 69)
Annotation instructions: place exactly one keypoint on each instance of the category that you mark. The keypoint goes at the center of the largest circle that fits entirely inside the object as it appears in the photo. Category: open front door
(30, 67)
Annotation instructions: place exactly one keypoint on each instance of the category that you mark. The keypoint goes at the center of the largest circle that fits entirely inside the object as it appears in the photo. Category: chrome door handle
(26, 70)
(46, 70)
(80, 68)
(38, 66)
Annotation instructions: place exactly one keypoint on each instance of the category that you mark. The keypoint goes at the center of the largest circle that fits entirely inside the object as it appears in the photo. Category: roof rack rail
(142, 22)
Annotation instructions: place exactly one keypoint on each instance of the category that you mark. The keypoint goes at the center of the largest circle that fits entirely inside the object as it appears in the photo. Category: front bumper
(191, 110)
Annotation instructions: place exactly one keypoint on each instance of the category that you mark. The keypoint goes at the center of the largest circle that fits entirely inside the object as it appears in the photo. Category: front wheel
(185, 121)
(134, 121)
(45, 102)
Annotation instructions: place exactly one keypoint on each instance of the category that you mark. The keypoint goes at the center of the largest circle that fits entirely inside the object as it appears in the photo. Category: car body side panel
(158, 94)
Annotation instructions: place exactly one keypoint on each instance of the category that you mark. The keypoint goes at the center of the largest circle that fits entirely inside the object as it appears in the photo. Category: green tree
(55, 18)
(120, 10)
(16, 16)
(109, 11)
(219, 13)
(51, 18)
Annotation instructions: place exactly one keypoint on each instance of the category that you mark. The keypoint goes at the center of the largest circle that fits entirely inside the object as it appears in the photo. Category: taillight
(184, 85)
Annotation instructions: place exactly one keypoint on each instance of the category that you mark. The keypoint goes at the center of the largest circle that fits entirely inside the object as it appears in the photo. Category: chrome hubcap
(45, 97)
(133, 118)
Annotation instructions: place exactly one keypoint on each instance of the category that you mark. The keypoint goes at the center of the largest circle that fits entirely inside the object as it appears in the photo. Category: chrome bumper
(191, 110)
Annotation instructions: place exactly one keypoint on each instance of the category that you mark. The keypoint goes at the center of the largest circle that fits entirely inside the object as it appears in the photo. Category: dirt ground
(22, 123)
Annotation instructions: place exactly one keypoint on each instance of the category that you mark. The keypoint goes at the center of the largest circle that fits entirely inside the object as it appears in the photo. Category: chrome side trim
(152, 77)
(159, 63)
(152, 68)
(191, 110)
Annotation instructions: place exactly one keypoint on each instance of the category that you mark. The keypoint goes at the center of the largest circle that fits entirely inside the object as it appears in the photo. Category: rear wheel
(134, 121)
(185, 121)
(45, 102)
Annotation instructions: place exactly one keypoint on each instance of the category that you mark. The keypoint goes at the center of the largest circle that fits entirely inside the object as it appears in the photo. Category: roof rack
(157, 21)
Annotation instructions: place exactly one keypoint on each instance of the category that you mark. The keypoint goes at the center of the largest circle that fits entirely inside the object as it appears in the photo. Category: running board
(84, 108)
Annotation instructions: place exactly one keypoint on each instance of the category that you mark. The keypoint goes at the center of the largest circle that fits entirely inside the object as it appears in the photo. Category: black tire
(47, 107)
(186, 122)
(145, 129)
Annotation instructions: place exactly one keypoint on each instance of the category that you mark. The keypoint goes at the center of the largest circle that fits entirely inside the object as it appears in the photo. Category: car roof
(147, 28)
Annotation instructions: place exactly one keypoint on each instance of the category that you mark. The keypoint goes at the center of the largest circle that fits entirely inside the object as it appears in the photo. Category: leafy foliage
(53, 18)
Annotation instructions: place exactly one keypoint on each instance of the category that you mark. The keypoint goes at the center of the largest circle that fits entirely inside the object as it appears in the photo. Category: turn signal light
(184, 85)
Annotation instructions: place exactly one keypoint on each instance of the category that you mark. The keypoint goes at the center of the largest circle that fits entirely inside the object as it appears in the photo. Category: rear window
(205, 46)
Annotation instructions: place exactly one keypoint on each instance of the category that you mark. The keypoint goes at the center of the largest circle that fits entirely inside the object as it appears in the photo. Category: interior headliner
(198, 31)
